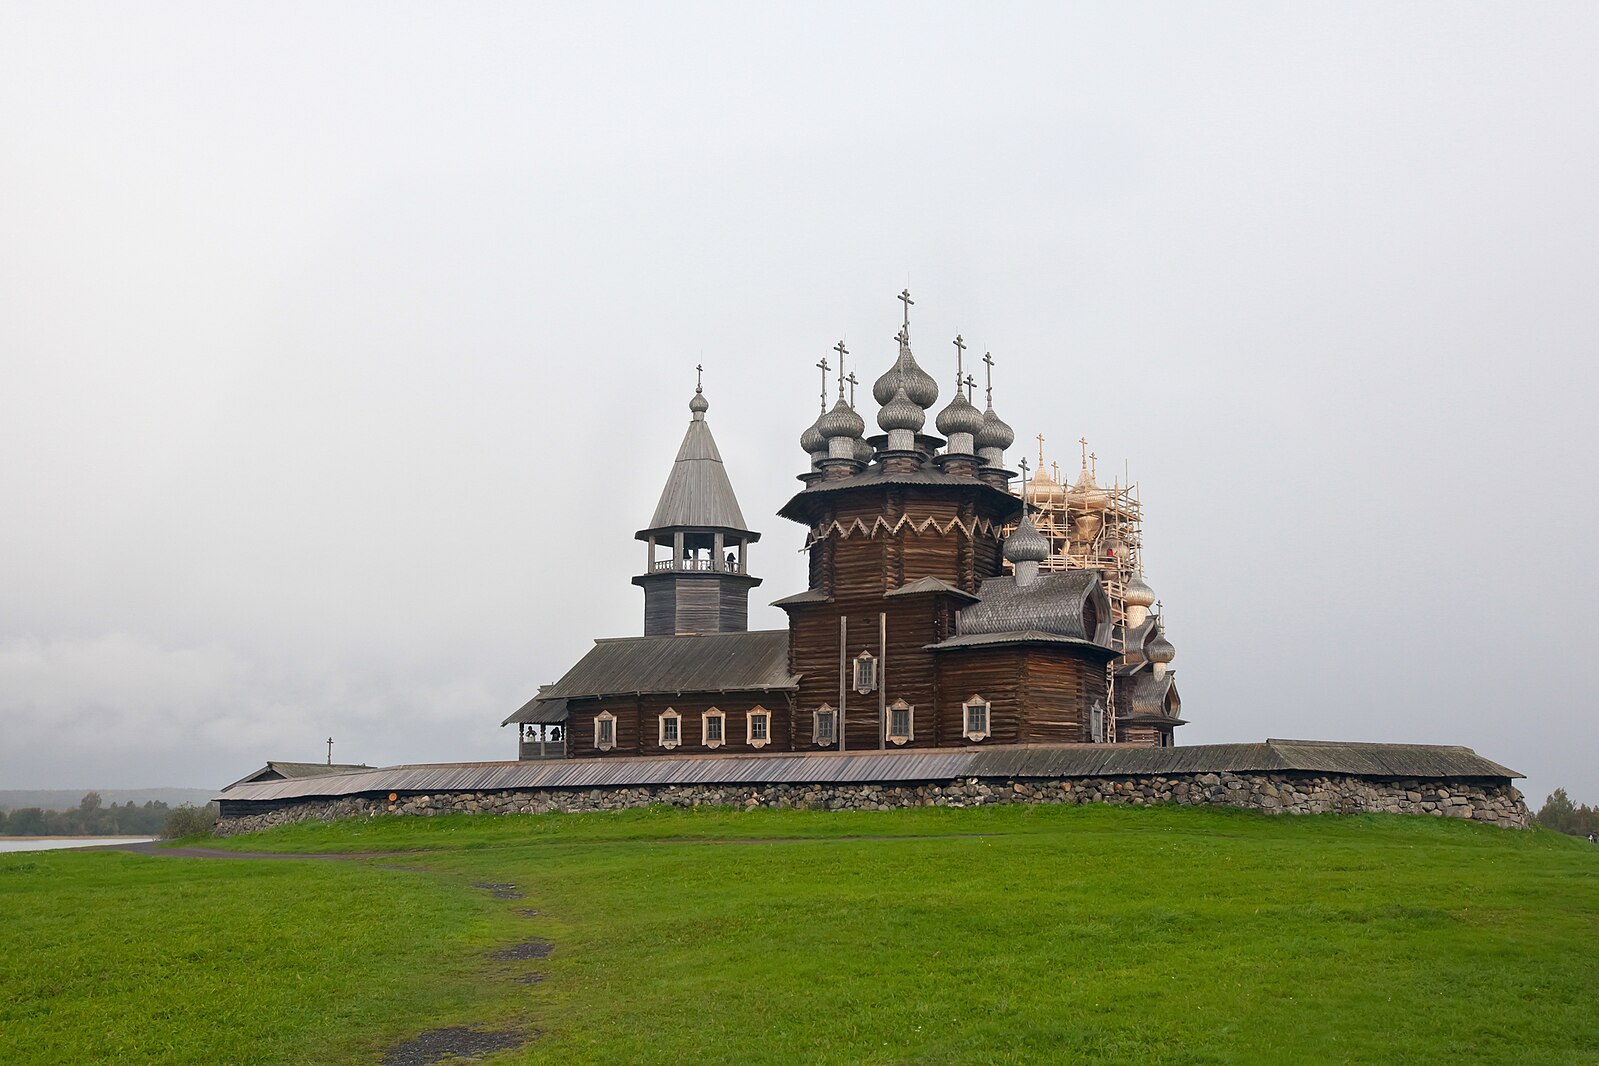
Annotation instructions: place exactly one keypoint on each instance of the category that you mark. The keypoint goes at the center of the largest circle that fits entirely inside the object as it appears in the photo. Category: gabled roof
(290, 771)
(698, 493)
(925, 586)
(707, 662)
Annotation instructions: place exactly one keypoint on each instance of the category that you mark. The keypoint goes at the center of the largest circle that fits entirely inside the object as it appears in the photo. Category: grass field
(1014, 934)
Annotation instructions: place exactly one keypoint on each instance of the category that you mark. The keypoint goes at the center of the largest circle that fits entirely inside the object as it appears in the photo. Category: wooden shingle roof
(707, 662)
(1390, 761)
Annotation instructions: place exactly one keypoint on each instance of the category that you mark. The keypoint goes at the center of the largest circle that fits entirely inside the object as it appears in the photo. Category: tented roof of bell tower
(698, 494)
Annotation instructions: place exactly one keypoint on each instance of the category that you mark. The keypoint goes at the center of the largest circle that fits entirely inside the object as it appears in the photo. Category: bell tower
(696, 577)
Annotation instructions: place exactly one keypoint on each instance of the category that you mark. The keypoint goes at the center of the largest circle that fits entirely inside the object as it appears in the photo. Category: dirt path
(156, 850)
(455, 1043)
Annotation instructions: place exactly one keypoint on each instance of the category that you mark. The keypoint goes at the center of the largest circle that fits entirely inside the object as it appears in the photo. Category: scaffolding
(1091, 527)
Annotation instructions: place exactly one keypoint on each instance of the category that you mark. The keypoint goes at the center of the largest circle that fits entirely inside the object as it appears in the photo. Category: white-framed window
(759, 727)
(901, 722)
(605, 731)
(714, 724)
(670, 729)
(824, 725)
(865, 673)
(975, 713)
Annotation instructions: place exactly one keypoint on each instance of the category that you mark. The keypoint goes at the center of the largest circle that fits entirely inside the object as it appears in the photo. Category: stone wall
(1491, 802)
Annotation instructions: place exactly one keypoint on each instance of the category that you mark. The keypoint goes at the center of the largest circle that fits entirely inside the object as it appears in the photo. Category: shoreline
(96, 836)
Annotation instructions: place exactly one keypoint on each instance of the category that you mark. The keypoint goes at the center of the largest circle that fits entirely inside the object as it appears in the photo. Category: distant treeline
(1560, 814)
(91, 817)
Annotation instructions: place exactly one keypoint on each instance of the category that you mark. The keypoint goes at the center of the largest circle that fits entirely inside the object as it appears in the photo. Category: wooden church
(939, 614)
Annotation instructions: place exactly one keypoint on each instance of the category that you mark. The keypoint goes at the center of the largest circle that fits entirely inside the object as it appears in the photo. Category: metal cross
(330, 751)
(988, 361)
(824, 369)
(842, 352)
(960, 356)
(699, 378)
(905, 298)
(971, 383)
(1024, 468)
(852, 384)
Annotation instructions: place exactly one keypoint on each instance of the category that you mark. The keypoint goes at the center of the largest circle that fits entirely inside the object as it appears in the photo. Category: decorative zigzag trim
(881, 525)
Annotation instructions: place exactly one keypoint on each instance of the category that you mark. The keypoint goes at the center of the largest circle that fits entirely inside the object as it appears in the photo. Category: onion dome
(1159, 649)
(1139, 594)
(995, 433)
(960, 417)
(1026, 544)
(699, 404)
(1042, 489)
(841, 421)
(905, 373)
(864, 453)
(812, 440)
(901, 413)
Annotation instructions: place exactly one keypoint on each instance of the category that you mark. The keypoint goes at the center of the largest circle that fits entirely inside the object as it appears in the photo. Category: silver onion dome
(995, 433)
(960, 417)
(1139, 594)
(1159, 649)
(1026, 544)
(841, 421)
(812, 440)
(901, 412)
(699, 404)
(864, 453)
(918, 383)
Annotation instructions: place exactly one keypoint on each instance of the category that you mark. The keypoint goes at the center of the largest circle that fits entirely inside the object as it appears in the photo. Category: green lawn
(1013, 934)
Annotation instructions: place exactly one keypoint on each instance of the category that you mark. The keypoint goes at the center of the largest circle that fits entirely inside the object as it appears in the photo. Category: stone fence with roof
(1489, 800)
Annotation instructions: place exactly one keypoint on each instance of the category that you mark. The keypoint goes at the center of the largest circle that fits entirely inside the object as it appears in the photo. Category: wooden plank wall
(638, 718)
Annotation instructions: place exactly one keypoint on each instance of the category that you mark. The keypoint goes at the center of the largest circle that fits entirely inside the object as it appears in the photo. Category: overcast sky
(346, 347)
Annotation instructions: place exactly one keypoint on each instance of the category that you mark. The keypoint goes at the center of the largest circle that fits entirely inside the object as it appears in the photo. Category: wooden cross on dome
(905, 298)
(960, 357)
(1084, 442)
(988, 361)
(852, 384)
(842, 352)
(699, 377)
(1040, 451)
(824, 369)
(971, 385)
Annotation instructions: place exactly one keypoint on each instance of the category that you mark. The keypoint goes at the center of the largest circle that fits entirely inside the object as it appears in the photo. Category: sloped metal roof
(708, 662)
(1425, 761)
(698, 493)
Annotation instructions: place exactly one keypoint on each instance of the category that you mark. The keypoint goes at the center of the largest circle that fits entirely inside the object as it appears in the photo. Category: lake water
(50, 843)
